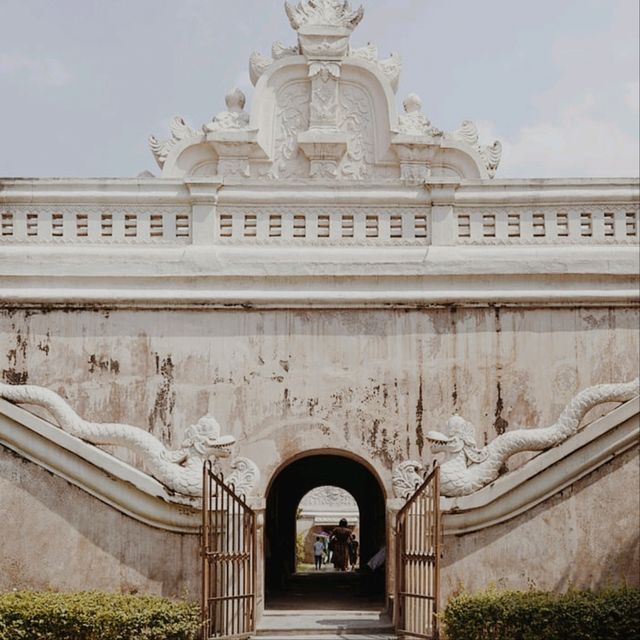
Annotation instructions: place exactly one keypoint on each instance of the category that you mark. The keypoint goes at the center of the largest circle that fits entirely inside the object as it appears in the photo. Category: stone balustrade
(158, 212)
(587, 224)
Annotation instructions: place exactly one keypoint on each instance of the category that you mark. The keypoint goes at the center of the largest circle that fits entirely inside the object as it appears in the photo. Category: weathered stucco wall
(586, 536)
(55, 535)
(372, 382)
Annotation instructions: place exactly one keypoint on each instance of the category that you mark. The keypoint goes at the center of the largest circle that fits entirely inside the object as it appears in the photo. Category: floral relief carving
(292, 117)
(357, 121)
(324, 104)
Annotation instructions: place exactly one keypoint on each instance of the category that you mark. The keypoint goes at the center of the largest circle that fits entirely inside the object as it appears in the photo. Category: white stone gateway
(333, 276)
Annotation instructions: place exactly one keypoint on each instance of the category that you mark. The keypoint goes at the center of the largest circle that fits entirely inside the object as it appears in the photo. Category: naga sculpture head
(204, 440)
(459, 436)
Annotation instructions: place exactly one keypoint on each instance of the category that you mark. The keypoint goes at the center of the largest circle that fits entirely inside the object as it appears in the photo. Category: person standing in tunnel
(340, 538)
(318, 550)
(353, 552)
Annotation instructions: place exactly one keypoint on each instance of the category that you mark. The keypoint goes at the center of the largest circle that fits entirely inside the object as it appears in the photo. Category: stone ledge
(98, 473)
(546, 474)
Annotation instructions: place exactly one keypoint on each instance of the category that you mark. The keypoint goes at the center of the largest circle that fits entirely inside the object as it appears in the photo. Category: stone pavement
(325, 625)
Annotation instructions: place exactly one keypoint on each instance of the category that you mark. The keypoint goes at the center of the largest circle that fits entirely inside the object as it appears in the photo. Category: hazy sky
(84, 82)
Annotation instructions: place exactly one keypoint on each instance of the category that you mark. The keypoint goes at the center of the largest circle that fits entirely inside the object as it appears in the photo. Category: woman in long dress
(340, 537)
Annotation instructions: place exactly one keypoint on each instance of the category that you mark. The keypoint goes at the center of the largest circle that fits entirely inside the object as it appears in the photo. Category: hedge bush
(27, 615)
(612, 614)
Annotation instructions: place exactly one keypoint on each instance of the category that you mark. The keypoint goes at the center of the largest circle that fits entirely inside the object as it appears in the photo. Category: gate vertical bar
(228, 546)
(418, 551)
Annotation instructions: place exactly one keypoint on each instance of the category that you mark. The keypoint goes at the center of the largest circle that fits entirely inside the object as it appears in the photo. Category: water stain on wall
(103, 365)
(499, 424)
(165, 400)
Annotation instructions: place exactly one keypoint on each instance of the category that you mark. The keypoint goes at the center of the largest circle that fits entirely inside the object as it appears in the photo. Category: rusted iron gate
(228, 549)
(418, 561)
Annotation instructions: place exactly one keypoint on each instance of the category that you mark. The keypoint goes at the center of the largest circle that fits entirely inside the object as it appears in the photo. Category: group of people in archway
(343, 548)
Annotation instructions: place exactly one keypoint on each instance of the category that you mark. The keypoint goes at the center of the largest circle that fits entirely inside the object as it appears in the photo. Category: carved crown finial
(332, 13)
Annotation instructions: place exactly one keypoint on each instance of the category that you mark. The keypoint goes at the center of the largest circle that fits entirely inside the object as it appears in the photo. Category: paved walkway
(325, 624)
(326, 605)
(328, 590)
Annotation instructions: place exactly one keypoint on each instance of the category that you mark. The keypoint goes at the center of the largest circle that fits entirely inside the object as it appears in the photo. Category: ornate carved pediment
(324, 111)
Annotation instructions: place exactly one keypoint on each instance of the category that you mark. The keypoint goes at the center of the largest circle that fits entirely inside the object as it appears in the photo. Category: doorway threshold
(325, 624)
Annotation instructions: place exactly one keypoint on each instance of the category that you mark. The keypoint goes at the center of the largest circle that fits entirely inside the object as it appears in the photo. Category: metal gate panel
(418, 534)
(228, 549)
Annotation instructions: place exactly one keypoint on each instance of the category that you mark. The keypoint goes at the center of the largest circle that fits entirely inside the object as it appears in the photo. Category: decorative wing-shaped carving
(467, 132)
(491, 155)
(279, 51)
(392, 68)
(258, 64)
(368, 52)
(161, 148)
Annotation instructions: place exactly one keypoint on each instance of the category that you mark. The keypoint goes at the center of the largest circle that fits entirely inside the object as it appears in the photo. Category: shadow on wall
(586, 536)
(56, 536)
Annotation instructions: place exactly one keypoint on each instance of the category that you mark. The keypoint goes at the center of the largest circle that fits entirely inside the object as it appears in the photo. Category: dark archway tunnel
(286, 491)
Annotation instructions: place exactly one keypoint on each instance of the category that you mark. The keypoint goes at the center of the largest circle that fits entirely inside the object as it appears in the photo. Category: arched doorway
(286, 490)
(317, 516)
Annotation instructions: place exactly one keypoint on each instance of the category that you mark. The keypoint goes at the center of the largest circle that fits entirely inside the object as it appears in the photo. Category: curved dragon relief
(180, 470)
(467, 468)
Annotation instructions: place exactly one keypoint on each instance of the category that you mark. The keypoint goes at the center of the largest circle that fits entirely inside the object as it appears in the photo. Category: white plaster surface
(57, 536)
(586, 537)
(284, 382)
(129, 490)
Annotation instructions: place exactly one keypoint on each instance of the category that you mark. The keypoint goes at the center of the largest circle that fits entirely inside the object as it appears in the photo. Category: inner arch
(287, 489)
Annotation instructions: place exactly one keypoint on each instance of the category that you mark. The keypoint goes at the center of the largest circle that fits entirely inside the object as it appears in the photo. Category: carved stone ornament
(414, 122)
(406, 478)
(391, 67)
(467, 468)
(328, 498)
(234, 118)
(334, 13)
(179, 131)
(322, 85)
(490, 154)
(258, 63)
(180, 470)
(244, 476)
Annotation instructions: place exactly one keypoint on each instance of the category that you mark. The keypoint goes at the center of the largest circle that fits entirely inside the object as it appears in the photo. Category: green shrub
(612, 614)
(26, 615)
(300, 552)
